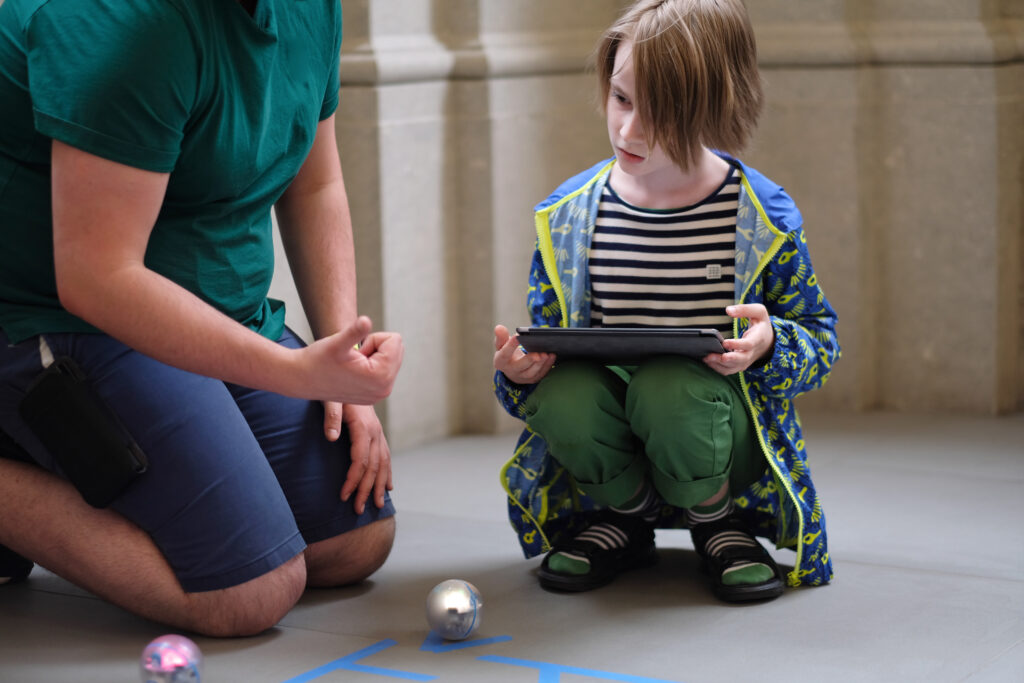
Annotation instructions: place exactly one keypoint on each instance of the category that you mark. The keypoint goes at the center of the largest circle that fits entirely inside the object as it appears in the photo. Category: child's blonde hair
(695, 68)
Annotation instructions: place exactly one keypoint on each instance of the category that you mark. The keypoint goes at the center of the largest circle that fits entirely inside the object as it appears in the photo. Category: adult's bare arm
(103, 214)
(316, 229)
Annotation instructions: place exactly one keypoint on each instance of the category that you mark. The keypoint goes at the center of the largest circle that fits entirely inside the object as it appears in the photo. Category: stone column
(456, 117)
(897, 126)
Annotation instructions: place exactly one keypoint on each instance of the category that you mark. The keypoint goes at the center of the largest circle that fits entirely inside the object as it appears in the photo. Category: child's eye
(620, 98)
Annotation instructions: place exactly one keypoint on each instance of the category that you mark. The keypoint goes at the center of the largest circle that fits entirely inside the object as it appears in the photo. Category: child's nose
(630, 129)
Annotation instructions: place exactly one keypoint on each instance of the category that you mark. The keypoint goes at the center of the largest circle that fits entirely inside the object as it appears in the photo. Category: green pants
(671, 420)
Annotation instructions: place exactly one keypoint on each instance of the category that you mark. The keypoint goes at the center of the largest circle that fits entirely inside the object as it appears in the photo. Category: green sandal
(605, 563)
(732, 556)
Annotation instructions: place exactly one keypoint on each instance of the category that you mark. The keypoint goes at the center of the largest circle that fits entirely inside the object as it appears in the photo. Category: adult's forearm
(316, 231)
(163, 320)
(103, 216)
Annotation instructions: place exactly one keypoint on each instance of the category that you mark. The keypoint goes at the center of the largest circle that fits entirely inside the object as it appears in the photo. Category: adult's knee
(252, 607)
(350, 557)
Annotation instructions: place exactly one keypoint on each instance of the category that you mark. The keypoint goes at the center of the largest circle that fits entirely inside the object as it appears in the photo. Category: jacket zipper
(793, 578)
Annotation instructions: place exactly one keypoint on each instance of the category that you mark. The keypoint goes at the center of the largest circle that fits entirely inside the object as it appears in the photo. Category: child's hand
(756, 343)
(521, 368)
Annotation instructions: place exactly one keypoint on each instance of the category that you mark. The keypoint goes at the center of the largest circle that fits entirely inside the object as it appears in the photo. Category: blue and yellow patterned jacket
(773, 268)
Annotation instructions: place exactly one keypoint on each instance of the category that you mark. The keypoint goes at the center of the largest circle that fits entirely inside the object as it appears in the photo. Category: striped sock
(740, 573)
(606, 535)
(644, 503)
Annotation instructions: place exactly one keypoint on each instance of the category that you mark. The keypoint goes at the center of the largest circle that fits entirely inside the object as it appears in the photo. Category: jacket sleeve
(806, 345)
(545, 311)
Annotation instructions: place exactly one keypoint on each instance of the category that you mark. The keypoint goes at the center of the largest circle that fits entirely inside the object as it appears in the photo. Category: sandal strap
(745, 554)
(607, 560)
(704, 532)
(734, 555)
(630, 530)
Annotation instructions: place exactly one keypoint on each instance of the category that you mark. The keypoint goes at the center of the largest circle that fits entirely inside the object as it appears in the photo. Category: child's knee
(573, 396)
(685, 414)
(664, 387)
(569, 379)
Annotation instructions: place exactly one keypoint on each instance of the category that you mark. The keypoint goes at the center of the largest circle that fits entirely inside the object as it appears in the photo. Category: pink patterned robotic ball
(171, 659)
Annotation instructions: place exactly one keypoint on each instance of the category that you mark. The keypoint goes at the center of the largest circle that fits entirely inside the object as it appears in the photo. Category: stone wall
(895, 124)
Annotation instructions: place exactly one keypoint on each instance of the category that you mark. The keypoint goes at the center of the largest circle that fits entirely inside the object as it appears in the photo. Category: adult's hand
(332, 419)
(370, 472)
(755, 344)
(518, 366)
(335, 370)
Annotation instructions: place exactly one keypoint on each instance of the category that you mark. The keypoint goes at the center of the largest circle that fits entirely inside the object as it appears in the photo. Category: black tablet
(621, 344)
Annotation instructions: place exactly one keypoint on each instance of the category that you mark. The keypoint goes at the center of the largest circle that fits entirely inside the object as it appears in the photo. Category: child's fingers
(752, 312)
(537, 367)
(733, 360)
(534, 361)
(721, 364)
(501, 336)
(517, 365)
(741, 345)
(713, 362)
(530, 368)
(508, 357)
(506, 350)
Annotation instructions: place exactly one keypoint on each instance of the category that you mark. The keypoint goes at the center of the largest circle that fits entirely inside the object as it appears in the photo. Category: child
(671, 234)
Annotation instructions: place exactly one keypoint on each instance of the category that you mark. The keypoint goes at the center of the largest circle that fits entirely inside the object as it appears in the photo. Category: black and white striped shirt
(665, 268)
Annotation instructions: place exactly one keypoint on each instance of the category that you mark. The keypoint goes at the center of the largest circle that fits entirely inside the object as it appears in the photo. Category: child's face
(625, 130)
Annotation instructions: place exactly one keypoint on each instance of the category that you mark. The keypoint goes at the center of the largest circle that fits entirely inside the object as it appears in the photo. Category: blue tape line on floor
(349, 664)
(435, 643)
(551, 673)
(547, 672)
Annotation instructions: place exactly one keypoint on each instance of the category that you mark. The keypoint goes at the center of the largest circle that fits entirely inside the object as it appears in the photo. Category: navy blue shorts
(239, 480)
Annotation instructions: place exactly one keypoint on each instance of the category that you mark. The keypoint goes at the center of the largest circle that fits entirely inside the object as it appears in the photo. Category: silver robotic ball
(171, 659)
(454, 609)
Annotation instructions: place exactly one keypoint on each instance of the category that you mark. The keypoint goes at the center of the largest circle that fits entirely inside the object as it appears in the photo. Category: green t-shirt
(227, 103)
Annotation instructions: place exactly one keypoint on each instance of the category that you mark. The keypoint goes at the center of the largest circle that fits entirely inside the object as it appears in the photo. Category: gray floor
(924, 520)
